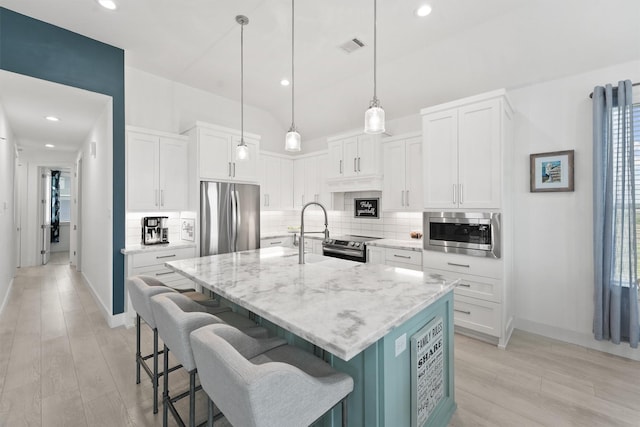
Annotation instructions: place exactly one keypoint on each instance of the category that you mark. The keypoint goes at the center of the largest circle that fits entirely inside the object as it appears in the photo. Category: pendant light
(292, 139)
(242, 151)
(374, 116)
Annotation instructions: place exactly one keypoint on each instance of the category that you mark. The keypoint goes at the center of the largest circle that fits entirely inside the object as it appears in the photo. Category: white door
(45, 225)
(413, 174)
(350, 153)
(16, 210)
(78, 218)
(213, 151)
(368, 158)
(143, 192)
(393, 190)
(335, 162)
(440, 159)
(173, 174)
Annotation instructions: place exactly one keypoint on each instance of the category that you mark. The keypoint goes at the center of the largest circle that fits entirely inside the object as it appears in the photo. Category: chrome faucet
(301, 240)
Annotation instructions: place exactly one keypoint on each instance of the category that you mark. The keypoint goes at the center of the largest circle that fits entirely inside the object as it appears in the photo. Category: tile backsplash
(134, 225)
(389, 225)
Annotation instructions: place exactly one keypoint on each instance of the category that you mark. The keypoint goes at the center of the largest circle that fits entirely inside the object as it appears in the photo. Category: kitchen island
(391, 329)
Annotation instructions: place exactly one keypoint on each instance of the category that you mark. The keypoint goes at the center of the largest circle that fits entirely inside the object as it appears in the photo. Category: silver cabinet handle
(341, 167)
(406, 197)
(234, 169)
(166, 256)
(402, 256)
(229, 169)
(453, 193)
(402, 198)
(461, 193)
(161, 197)
(461, 311)
(464, 285)
(459, 265)
(355, 162)
(275, 243)
(359, 164)
(164, 274)
(156, 197)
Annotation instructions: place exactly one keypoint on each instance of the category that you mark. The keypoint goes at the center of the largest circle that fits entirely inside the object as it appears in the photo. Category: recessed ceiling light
(108, 4)
(49, 145)
(423, 10)
(52, 119)
(284, 82)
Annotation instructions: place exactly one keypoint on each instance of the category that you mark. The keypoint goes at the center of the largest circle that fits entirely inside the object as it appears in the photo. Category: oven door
(472, 233)
(344, 253)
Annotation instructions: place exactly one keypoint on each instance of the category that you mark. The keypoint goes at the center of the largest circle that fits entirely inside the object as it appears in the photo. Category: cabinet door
(174, 181)
(350, 156)
(440, 159)
(368, 157)
(286, 184)
(311, 184)
(269, 182)
(298, 183)
(479, 155)
(247, 169)
(324, 196)
(335, 166)
(214, 157)
(143, 190)
(376, 255)
(413, 174)
(393, 190)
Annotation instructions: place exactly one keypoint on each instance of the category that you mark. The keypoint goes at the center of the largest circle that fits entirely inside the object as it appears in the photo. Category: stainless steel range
(348, 247)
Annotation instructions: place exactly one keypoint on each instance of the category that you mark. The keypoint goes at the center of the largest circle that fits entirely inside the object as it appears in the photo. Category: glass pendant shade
(292, 141)
(374, 120)
(242, 151)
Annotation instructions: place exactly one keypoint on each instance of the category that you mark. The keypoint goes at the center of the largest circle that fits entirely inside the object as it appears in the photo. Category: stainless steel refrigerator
(229, 217)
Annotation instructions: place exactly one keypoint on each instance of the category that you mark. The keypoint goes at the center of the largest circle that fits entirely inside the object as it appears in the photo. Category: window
(65, 197)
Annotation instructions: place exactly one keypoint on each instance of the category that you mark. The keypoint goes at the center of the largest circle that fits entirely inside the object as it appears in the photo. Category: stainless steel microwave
(469, 233)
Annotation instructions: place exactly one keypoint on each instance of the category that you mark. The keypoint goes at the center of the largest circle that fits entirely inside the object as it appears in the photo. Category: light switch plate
(401, 344)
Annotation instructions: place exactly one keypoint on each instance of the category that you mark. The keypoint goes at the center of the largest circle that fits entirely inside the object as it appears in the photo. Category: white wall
(553, 231)
(97, 207)
(7, 208)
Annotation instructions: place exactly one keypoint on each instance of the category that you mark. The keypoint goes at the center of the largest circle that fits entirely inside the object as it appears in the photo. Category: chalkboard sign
(365, 208)
(427, 371)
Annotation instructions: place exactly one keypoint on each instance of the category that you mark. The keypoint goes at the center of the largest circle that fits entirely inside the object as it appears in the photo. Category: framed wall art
(551, 171)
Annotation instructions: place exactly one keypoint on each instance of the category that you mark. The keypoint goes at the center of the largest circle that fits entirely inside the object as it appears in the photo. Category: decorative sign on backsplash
(187, 229)
(366, 208)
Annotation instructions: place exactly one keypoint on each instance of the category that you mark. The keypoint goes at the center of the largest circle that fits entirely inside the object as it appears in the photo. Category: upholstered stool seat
(264, 383)
(141, 289)
(176, 317)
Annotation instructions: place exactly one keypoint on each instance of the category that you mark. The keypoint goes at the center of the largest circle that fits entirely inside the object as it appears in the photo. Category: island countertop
(341, 306)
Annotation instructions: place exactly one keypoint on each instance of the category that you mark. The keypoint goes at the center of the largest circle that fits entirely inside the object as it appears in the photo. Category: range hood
(371, 182)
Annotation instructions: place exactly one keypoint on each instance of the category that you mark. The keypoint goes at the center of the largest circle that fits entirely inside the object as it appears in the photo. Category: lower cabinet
(395, 257)
(286, 241)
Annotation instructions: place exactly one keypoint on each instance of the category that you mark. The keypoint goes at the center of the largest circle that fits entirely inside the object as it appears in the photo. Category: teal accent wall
(41, 50)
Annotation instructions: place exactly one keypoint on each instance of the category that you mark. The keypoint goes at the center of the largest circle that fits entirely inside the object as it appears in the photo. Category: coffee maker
(155, 230)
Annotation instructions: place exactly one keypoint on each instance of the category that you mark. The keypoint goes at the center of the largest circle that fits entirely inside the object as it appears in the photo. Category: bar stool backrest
(140, 293)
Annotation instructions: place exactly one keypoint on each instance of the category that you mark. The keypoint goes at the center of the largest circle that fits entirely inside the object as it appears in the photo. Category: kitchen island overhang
(368, 318)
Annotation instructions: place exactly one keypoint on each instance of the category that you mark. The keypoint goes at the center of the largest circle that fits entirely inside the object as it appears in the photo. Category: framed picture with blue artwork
(551, 171)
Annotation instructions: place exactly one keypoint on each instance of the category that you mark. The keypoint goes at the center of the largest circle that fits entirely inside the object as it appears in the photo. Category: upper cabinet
(402, 187)
(463, 147)
(309, 181)
(157, 170)
(276, 182)
(354, 163)
(216, 154)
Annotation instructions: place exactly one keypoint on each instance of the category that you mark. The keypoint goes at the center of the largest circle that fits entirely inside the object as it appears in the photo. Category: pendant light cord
(241, 83)
(293, 109)
(375, 44)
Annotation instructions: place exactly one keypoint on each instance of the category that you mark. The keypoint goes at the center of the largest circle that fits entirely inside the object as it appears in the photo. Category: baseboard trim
(6, 295)
(113, 320)
(581, 339)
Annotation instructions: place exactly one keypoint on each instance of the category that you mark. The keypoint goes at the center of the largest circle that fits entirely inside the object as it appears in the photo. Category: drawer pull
(464, 285)
(459, 265)
(275, 243)
(461, 311)
(402, 256)
(166, 256)
(164, 274)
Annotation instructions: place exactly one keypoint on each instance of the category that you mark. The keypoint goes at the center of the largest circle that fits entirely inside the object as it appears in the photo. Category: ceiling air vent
(351, 45)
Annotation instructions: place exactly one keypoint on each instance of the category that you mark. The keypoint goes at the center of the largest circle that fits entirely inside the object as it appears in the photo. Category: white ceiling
(464, 47)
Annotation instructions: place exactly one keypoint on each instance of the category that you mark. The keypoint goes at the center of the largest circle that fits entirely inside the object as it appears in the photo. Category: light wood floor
(61, 365)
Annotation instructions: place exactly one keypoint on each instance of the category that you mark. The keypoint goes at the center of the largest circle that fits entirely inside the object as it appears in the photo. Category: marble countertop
(340, 306)
(410, 245)
(139, 249)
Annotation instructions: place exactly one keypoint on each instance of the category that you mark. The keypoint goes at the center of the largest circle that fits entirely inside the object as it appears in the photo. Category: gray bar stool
(141, 289)
(176, 317)
(282, 386)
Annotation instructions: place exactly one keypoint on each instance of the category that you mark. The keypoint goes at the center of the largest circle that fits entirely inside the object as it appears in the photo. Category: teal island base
(405, 379)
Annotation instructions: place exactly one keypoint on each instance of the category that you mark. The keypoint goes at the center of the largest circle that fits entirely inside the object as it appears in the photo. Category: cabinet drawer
(160, 257)
(484, 288)
(280, 241)
(477, 315)
(394, 256)
(159, 272)
(476, 266)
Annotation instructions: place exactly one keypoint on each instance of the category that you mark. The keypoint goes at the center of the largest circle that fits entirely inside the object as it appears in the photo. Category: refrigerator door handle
(234, 221)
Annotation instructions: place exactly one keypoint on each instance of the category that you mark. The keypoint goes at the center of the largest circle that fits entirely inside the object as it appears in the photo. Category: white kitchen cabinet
(354, 163)
(216, 154)
(276, 182)
(309, 181)
(286, 241)
(395, 257)
(463, 152)
(402, 185)
(376, 255)
(157, 170)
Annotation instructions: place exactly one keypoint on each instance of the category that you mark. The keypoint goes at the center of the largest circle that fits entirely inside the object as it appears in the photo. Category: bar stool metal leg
(155, 370)
(165, 391)
(138, 354)
(344, 412)
(192, 398)
(210, 413)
